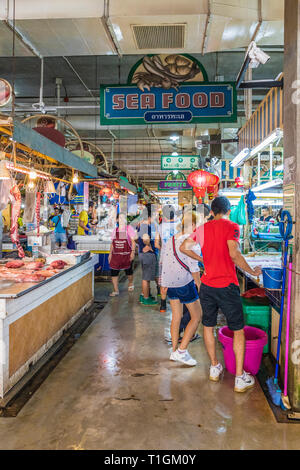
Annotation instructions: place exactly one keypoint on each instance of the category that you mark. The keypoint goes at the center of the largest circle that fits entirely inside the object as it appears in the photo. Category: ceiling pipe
(40, 106)
(77, 75)
(18, 33)
(205, 36)
(257, 29)
(109, 30)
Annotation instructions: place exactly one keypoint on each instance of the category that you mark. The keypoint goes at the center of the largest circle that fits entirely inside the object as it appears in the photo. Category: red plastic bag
(257, 292)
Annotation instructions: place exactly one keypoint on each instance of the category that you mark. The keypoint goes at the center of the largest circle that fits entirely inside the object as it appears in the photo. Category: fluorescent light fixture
(229, 193)
(175, 154)
(269, 184)
(232, 193)
(276, 135)
(240, 158)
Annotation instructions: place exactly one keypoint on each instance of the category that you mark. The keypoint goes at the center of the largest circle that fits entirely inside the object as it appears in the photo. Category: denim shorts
(186, 294)
(60, 237)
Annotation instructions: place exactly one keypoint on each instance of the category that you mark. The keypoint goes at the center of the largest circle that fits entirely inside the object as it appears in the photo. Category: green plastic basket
(257, 313)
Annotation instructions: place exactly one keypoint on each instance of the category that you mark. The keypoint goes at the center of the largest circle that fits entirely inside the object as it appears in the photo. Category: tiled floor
(117, 389)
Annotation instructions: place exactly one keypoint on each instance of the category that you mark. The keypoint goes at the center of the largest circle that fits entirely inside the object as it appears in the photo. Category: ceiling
(97, 42)
(94, 27)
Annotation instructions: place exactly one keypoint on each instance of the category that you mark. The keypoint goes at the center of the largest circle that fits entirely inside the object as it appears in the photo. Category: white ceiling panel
(6, 44)
(66, 37)
(215, 31)
(161, 8)
(238, 33)
(48, 9)
(271, 33)
(273, 10)
(235, 9)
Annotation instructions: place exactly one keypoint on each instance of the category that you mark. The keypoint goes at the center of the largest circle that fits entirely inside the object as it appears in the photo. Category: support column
(292, 180)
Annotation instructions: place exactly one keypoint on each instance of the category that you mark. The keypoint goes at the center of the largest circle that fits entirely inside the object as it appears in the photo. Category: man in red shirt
(219, 241)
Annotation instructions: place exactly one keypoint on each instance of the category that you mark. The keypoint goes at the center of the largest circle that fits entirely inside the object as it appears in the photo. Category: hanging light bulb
(32, 175)
(30, 185)
(75, 178)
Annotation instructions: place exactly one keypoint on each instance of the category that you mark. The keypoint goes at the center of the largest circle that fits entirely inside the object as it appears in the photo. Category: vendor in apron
(121, 256)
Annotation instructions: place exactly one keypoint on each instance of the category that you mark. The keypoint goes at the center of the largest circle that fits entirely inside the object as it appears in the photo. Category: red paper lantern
(212, 191)
(200, 180)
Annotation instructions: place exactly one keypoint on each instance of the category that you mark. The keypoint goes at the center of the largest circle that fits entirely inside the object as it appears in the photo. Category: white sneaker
(215, 372)
(244, 382)
(185, 358)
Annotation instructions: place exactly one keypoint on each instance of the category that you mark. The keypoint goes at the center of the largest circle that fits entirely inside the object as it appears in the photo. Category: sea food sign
(165, 92)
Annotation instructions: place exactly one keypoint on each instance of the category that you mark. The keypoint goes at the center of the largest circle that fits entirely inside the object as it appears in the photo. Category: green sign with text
(180, 162)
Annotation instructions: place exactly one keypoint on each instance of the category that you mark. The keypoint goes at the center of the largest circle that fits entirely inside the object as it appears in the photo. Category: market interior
(106, 107)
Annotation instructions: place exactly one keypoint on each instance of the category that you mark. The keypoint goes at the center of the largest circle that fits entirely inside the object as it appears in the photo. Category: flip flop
(130, 288)
(114, 294)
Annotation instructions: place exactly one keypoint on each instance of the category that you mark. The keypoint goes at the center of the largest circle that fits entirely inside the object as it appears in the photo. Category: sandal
(131, 288)
(113, 294)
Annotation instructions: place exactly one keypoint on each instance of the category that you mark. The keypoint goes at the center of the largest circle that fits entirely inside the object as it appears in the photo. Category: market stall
(44, 288)
(35, 309)
(258, 200)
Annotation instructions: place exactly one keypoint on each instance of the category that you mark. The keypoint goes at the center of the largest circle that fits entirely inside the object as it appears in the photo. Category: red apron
(121, 250)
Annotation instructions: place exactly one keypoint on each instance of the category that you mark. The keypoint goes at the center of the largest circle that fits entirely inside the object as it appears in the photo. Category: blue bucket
(272, 277)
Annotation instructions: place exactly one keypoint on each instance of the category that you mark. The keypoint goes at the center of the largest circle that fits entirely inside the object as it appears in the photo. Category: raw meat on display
(58, 264)
(15, 212)
(14, 264)
(34, 265)
(21, 276)
(30, 278)
(48, 272)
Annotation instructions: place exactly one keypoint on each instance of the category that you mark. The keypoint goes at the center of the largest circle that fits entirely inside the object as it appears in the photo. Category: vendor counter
(271, 260)
(34, 316)
(99, 247)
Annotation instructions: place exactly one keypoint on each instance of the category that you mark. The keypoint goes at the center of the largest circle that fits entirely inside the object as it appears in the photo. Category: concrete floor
(117, 389)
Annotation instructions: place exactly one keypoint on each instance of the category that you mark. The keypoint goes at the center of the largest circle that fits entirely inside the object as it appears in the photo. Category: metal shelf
(274, 295)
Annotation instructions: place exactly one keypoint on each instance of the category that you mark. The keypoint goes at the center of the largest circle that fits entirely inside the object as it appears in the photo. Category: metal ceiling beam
(260, 20)
(109, 30)
(261, 84)
(207, 23)
(41, 144)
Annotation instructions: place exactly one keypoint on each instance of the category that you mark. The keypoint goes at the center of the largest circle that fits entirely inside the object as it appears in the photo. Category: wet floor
(117, 389)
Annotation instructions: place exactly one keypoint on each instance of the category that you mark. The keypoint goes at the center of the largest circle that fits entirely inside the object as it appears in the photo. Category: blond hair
(189, 219)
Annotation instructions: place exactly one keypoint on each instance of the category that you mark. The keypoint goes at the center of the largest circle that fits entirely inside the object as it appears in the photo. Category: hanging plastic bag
(233, 214)
(241, 212)
(66, 218)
